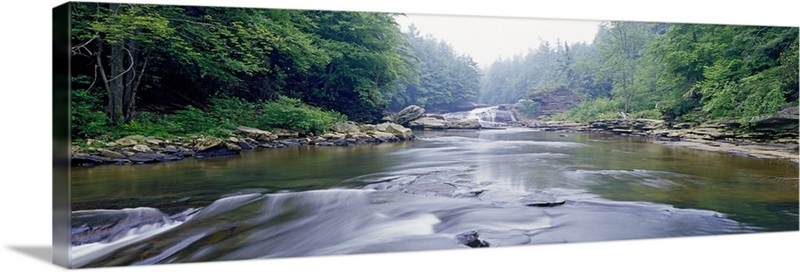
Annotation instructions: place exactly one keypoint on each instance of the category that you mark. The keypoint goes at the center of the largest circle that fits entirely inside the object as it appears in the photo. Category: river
(447, 189)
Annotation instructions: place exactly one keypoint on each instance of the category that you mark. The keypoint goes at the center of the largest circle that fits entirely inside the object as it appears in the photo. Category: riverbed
(446, 190)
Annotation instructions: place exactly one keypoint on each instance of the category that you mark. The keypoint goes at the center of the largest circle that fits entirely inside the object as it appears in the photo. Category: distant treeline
(152, 68)
(658, 70)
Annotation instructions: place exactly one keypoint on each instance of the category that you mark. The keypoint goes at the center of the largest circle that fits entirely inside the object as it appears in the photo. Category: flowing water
(447, 189)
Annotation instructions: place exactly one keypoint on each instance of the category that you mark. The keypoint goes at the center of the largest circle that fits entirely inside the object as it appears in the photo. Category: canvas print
(203, 133)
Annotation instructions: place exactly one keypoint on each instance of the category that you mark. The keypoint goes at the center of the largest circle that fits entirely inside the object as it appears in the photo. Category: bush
(291, 113)
(87, 119)
(601, 108)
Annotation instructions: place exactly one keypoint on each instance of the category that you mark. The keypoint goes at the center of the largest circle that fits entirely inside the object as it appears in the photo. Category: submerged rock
(109, 225)
(471, 239)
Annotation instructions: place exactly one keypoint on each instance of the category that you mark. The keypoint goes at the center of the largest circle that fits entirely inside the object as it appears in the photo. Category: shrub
(527, 107)
(291, 113)
(87, 119)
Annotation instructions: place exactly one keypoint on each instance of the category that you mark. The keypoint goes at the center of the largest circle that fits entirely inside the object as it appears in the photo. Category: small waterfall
(489, 117)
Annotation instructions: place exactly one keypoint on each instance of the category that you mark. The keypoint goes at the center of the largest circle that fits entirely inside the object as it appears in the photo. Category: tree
(119, 38)
(443, 79)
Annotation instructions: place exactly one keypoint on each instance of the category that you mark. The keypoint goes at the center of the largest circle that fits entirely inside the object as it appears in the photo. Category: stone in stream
(547, 203)
(110, 225)
(471, 239)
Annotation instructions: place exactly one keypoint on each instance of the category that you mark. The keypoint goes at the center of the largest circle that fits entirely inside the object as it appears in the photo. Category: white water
(487, 116)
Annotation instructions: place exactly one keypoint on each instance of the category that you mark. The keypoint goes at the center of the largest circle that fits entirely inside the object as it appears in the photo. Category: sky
(487, 38)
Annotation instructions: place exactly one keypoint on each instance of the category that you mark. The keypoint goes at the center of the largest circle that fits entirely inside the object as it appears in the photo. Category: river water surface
(447, 189)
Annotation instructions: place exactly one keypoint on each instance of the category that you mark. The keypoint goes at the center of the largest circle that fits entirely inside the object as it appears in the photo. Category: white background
(25, 151)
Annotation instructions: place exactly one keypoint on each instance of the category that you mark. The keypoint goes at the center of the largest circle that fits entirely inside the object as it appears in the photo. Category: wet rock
(212, 146)
(82, 159)
(110, 225)
(471, 239)
(408, 114)
(110, 154)
(546, 203)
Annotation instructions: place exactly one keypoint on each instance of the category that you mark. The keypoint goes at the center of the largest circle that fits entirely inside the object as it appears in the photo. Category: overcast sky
(488, 38)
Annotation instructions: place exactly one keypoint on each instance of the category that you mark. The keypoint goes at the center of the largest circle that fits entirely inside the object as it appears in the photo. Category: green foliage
(291, 113)
(527, 108)
(87, 118)
(601, 108)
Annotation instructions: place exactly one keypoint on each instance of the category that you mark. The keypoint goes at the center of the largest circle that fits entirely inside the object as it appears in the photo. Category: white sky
(486, 39)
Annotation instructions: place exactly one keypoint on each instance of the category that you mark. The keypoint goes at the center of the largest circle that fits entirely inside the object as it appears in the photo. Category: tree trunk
(116, 84)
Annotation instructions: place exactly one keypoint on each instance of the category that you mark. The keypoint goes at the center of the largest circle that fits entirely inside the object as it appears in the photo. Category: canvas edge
(61, 132)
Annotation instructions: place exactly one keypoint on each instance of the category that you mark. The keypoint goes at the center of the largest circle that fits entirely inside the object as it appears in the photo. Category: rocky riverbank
(138, 149)
(769, 138)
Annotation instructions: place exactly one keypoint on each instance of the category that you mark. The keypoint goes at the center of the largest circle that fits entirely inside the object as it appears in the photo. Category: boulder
(366, 128)
(345, 127)
(334, 136)
(384, 136)
(396, 130)
(153, 141)
(207, 143)
(142, 149)
(110, 154)
(256, 134)
(465, 124)
(408, 114)
(428, 123)
(285, 133)
(212, 146)
(129, 140)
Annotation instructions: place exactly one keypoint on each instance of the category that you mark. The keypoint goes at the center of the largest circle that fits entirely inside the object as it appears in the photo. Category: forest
(185, 70)
(181, 70)
(684, 72)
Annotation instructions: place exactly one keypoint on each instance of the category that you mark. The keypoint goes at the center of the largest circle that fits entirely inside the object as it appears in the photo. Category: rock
(428, 123)
(207, 143)
(233, 139)
(153, 141)
(129, 140)
(170, 149)
(345, 127)
(334, 136)
(142, 149)
(110, 225)
(285, 133)
(396, 130)
(366, 128)
(471, 239)
(82, 159)
(152, 158)
(408, 114)
(555, 102)
(256, 134)
(465, 124)
(212, 146)
(546, 203)
(384, 136)
(245, 145)
(110, 154)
